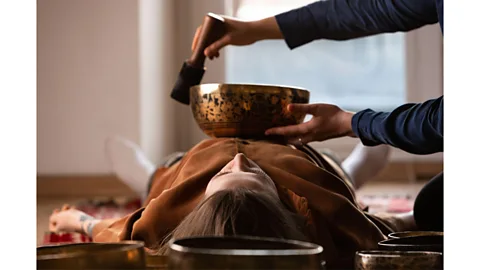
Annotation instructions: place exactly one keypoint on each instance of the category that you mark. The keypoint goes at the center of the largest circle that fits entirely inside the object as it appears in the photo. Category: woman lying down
(232, 186)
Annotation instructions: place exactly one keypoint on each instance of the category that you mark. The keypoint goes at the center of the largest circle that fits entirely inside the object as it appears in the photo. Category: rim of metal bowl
(387, 253)
(122, 246)
(312, 249)
(216, 85)
(392, 242)
(404, 234)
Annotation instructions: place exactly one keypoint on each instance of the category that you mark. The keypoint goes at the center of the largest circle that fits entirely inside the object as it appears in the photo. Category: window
(356, 74)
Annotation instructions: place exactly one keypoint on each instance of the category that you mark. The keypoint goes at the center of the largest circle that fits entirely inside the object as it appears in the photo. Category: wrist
(346, 124)
(265, 29)
(87, 226)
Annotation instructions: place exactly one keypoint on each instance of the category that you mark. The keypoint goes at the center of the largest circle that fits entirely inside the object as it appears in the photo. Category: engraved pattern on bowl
(238, 110)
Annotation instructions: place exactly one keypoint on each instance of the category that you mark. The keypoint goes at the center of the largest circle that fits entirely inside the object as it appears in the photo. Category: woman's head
(240, 200)
(238, 211)
(242, 172)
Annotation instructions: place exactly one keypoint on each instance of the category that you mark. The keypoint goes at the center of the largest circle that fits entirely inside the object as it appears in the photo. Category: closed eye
(254, 171)
(223, 173)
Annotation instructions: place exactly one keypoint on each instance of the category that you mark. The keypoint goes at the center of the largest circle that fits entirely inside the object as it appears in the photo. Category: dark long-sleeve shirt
(414, 128)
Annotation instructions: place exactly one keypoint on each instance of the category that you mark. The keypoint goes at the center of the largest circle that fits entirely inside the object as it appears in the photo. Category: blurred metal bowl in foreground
(397, 235)
(122, 255)
(156, 262)
(398, 260)
(244, 110)
(414, 243)
(243, 253)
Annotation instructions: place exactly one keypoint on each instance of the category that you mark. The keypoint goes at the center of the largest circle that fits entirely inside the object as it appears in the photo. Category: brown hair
(238, 211)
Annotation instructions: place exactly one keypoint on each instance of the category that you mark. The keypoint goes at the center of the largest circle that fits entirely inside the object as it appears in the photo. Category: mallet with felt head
(191, 74)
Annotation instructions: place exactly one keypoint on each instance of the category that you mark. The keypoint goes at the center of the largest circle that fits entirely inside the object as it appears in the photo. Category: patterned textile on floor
(119, 207)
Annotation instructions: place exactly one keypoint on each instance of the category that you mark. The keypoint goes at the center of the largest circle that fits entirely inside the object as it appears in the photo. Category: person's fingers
(303, 108)
(213, 49)
(66, 207)
(297, 141)
(195, 37)
(308, 138)
(300, 140)
(290, 131)
(52, 222)
(214, 56)
(52, 227)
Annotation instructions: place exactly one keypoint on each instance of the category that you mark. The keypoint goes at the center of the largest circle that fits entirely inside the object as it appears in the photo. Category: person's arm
(93, 227)
(347, 19)
(414, 128)
(113, 230)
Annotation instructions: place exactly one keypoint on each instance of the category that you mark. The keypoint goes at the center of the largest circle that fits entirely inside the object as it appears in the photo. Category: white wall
(190, 15)
(87, 82)
(157, 76)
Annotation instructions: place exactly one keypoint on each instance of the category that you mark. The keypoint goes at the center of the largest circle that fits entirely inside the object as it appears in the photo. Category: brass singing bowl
(397, 235)
(243, 252)
(398, 260)
(156, 262)
(121, 255)
(244, 110)
(413, 243)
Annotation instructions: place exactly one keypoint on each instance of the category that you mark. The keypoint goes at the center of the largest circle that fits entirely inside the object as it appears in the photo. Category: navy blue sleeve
(347, 19)
(416, 128)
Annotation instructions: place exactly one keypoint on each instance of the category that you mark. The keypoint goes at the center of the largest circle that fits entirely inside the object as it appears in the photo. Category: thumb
(213, 49)
(303, 108)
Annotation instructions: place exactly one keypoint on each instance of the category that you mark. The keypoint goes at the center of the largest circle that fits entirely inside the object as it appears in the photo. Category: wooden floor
(45, 205)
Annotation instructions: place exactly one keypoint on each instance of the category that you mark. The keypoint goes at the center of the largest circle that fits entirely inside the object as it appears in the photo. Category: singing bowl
(398, 260)
(397, 235)
(156, 262)
(244, 110)
(243, 252)
(121, 255)
(413, 243)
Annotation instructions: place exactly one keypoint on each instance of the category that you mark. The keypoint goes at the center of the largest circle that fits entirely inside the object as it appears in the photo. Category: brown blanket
(308, 181)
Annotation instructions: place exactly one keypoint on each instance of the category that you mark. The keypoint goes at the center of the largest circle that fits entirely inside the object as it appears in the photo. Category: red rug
(120, 207)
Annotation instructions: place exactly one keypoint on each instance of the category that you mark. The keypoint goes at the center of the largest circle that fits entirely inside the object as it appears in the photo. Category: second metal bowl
(243, 252)
(413, 243)
(397, 235)
(398, 260)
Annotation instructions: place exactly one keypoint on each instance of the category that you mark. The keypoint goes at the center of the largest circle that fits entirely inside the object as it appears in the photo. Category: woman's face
(241, 172)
